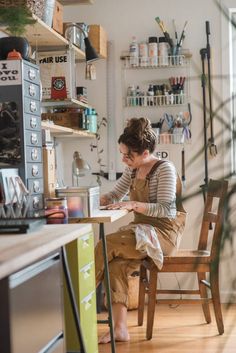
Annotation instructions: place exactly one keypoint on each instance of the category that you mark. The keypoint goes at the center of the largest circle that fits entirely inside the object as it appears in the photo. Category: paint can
(56, 210)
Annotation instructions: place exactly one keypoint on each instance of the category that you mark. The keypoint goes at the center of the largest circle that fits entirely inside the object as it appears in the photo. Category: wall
(123, 19)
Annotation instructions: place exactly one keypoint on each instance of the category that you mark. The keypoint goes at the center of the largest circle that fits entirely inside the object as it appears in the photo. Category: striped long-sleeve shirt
(162, 190)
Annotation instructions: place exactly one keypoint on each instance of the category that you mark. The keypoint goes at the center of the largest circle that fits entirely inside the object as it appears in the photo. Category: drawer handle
(85, 243)
(36, 202)
(86, 273)
(33, 107)
(33, 122)
(34, 139)
(36, 186)
(88, 304)
(87, 301)
(32, 74)
(35, 170)
(32, 91)
(34, 154)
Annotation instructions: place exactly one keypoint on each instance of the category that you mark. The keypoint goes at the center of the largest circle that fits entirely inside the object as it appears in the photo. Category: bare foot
(121, 335)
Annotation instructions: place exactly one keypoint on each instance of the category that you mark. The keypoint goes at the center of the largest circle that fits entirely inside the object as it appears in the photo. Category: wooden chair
(199, 261)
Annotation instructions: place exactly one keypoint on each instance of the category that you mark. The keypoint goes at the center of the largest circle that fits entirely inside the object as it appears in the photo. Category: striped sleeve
(121, 187)
(162, 192)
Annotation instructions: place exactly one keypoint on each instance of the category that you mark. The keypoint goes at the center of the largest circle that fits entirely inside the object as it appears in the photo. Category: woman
(151, 184)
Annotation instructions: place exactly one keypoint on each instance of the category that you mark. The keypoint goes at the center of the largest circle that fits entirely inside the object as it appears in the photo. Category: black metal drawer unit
(20, 125)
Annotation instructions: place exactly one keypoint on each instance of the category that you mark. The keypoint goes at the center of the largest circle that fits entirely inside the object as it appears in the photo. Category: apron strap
(179, 205)
(133, 173)
(154, 168)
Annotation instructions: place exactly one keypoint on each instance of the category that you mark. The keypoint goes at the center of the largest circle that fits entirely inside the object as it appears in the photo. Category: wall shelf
(68, 103)
(40, 35)
(61, 131)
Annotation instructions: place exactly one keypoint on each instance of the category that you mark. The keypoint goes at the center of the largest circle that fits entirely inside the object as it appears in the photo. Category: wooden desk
(101, 217)
(35, 261)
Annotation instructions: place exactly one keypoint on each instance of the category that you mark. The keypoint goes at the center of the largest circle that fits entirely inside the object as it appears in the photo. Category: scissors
(169, 120)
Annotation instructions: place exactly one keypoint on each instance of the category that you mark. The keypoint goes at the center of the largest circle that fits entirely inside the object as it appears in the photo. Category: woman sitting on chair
(151, 184)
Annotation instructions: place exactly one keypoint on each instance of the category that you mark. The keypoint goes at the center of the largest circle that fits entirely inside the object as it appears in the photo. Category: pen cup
(177, 58)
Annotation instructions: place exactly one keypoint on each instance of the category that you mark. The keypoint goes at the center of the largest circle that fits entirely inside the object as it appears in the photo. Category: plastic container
(152, 51)
(82, 201)
(134, 53)
(92, 120)
(143, 54)
(163, 52)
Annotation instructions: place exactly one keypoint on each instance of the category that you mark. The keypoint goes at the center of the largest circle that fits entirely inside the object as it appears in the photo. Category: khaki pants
(123, 260)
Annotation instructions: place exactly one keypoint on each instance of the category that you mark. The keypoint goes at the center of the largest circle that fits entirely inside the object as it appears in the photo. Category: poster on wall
(57, 72)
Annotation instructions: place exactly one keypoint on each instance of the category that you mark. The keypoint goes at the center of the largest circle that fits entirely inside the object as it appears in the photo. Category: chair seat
(188, 256)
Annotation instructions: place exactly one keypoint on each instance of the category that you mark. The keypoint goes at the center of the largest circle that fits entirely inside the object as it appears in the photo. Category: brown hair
(138, 136)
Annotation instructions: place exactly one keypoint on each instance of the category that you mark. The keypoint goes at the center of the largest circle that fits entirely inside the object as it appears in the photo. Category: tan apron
(124, 260)
(170, 230)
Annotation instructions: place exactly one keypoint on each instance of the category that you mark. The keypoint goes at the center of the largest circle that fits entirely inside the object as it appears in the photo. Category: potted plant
(14, 19)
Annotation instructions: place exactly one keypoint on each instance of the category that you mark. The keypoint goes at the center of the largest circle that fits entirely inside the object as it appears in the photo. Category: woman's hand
(104, 200)
(123, 205)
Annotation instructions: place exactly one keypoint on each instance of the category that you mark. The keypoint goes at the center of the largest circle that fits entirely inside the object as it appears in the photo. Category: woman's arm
(162, 188)
(163, 192)
(120, 189)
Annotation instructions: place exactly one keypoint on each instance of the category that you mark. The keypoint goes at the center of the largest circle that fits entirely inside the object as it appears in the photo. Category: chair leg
(215, 292)
(203, 294)
(143, 282)
(151, 303)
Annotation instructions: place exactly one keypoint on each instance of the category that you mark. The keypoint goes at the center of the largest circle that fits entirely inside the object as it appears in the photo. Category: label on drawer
(10, 73)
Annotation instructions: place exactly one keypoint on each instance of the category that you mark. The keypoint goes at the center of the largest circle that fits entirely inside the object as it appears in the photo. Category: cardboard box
(57, 21)
(81, 201)
(49, 171)
(66, 119)
(98, 39)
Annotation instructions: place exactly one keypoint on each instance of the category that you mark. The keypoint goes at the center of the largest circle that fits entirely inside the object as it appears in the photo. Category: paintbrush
(166, 34)
(175, 30)
(180, 43)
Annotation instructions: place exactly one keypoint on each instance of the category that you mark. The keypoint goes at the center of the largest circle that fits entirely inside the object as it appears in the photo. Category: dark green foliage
(16, 19)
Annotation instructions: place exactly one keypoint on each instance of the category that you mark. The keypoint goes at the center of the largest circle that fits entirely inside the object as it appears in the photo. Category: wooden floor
(178, 330)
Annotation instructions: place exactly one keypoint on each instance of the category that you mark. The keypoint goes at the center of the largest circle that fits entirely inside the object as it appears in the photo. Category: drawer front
(36, 306)
(34, 170)
(31, 90)
(85, 249)
(33, 138)
(86, 280)
(31, 106)
(36, 202)
(88, 319)
(33, 154)
(32, 122)
(31, 74)
(35, 186)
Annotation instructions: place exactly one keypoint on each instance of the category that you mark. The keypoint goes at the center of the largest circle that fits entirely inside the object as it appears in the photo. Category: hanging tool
(211, 142)
(203, 53)
(182, 36)
(203, 81)
(183, 177)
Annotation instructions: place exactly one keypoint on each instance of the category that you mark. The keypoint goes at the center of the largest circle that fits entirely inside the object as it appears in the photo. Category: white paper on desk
(6, 175)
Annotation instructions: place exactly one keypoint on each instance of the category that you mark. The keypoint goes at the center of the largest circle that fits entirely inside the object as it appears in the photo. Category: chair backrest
(213, 215)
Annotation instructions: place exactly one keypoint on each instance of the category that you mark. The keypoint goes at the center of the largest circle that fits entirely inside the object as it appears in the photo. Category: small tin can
(56, 210)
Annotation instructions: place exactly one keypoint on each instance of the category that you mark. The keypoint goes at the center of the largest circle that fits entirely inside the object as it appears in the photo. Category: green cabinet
(80, 254)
